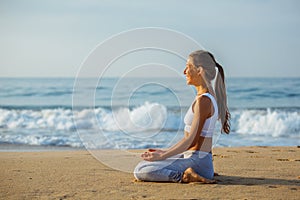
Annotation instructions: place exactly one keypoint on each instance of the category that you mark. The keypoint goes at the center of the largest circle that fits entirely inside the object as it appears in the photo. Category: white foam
(57, 127)
(148, 116)
(267, 122)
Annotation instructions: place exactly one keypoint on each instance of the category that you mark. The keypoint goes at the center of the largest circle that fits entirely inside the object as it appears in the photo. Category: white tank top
(209, 124)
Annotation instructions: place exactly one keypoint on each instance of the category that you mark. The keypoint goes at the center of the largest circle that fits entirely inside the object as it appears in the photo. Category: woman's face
(192, 74)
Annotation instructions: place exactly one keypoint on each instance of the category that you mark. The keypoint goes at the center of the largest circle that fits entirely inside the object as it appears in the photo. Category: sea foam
(143, 125)
(274, 123)
(148, 116)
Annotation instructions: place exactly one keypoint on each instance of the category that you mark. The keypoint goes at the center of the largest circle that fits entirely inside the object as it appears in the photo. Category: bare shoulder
(203, 104)
(203, 101)
(204, 98)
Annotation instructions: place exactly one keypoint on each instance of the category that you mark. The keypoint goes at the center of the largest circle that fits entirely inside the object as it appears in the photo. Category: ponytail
(220, 89)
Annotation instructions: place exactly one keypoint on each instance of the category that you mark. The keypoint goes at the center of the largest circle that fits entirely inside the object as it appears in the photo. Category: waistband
(189, 153)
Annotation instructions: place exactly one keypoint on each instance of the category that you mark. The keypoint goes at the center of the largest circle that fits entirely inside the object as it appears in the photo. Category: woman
(190, 160)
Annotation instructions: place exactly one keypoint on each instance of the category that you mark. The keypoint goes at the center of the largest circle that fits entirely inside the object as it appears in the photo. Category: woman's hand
(153, 155)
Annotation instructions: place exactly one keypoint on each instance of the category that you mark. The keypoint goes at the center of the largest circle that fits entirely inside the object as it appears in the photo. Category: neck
(201, 90)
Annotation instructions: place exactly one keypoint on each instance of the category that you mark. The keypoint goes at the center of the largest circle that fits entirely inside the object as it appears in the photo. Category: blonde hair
(207, 61)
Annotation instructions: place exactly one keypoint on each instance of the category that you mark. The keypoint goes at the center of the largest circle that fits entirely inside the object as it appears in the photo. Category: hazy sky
(53, 37)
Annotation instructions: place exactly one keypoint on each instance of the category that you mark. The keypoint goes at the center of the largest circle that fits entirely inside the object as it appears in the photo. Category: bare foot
(190, 175)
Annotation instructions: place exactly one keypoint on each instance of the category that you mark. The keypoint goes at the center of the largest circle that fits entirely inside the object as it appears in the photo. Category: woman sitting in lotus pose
(190, 160)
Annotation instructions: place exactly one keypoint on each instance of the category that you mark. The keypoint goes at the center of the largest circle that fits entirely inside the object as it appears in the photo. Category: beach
(244, 173)
(44, 137)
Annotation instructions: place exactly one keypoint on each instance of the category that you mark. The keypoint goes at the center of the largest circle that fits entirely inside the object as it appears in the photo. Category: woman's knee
(143, 172)
(141, 175)
(137, 171)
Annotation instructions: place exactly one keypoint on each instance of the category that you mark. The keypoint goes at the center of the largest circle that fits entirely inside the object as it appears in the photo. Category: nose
(184, 71)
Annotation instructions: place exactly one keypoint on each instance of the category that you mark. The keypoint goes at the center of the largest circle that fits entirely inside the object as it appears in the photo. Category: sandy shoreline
(245, 173)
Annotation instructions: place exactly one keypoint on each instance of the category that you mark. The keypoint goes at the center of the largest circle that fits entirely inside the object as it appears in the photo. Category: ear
(200, 70)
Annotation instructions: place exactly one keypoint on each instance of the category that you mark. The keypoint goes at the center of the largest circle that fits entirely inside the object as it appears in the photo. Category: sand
(245, 173)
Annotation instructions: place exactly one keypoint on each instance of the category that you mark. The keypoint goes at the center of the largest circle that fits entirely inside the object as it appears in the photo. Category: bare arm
(201, 112)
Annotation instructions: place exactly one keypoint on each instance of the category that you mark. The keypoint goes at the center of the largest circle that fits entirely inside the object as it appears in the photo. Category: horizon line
(141, 77)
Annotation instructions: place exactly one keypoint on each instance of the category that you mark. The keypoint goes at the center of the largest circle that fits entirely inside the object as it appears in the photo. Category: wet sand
(245, 173)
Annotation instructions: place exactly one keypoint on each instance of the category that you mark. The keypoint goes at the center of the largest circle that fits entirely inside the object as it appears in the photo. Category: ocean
(134, 113)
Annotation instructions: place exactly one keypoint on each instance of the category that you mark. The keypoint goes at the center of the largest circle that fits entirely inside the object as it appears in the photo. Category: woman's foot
(190, 175)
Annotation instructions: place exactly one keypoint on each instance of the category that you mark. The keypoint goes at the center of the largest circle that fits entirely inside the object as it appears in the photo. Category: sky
(52, 38)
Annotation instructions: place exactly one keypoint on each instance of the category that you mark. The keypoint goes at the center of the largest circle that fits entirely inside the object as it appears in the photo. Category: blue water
(141, 113)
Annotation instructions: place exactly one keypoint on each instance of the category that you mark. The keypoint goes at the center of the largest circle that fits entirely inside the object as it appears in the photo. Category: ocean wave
(59, 126)
(146, 117)
(70, 140)
(149, 116)
(148, 124)
(267, 122)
